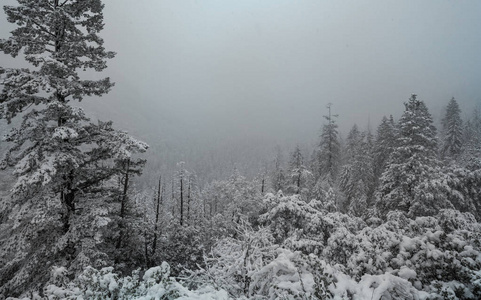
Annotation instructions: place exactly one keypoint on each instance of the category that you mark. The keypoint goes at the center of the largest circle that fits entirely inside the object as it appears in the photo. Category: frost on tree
(328, 152)
(383, 145)
(411, 180)
(59, 39)
(471, 156)
(357, 176)
(64, 164)
(452, 131)
(299, 175)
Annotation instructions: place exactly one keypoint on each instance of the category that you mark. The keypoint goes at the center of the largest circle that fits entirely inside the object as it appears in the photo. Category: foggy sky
(206, 71)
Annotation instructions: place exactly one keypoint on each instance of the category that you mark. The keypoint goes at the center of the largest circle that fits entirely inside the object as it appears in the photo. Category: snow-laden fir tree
(452, 131)
(356, 176)
(410, 182)
(66, 167)
(471, 156)
(470, 161)
(299, 175)
(278, 177)
(328, 153)
(59, 39)
(383, 145)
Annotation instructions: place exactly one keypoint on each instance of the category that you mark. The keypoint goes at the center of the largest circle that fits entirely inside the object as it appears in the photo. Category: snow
(407, 273)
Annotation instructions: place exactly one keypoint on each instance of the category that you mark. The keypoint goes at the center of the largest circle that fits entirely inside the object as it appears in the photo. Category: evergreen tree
(278, 177)
(470, 161)
(383, 146)
(328, 154)
(471, 156)
(452, 131)
(298, 173)
(64, 164)
(357, 176)
(410, 181)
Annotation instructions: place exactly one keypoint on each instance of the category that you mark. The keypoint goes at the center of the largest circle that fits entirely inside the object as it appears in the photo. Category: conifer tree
(298, 172)
(278, 177)
(328, 154)
(383, 146)
(64, 165)
(471, 156)
(409, 183)
(357, 176)
(452, 131)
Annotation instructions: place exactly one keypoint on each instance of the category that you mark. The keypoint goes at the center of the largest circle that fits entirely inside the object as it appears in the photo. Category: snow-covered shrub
(183, 247)
(232, 262)
(156, 283)
(285, 215)
(292, 275)
(437, 254)
(302, 226)
(253, 266)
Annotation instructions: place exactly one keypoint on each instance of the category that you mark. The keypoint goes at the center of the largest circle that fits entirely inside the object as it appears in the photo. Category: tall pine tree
(64, 164)
(452, 131)
(329, 151)
(357, 175)
(409, 183)
(383, 146)
(298, 173)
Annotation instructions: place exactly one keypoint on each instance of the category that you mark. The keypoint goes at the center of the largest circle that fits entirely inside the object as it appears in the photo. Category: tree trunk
(188, 204)
(123, 201)
(299, 183)
(159, 202)
(181, 201)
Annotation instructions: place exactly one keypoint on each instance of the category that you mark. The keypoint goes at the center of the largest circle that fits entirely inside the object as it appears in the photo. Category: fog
(227, 81)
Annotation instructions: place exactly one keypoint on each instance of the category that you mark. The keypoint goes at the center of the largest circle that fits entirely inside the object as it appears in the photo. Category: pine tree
(452, 131)
(470, 161)
(328, 154)
(357, 175)
(298, 172)
(278, 177)
(59, 39)
(384, 145)
(63, 163)
(471, 155)
(409, 183)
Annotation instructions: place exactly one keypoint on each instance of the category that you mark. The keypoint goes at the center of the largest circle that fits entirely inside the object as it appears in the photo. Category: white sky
(250, 70)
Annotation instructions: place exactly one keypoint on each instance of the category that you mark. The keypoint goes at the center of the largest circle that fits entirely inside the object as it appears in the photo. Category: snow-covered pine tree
(409, 183)
(452, 131)
(64, 165)
(470, 161)
(59, 39)
(471, 156)
(278, 177)
(383, 146)
(328, 154)
(357, 175)
(352, 143)
(298, 173)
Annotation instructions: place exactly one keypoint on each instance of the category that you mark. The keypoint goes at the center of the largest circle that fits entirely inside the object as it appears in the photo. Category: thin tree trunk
(299, 183)
(122, 204)
(173, 198)
(181, 201)
(157, 210)
(188, 204)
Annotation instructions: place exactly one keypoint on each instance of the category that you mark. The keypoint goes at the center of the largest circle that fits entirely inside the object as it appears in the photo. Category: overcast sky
(266, 69)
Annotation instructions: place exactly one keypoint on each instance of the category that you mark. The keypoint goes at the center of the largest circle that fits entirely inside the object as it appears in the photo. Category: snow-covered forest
(387, 213)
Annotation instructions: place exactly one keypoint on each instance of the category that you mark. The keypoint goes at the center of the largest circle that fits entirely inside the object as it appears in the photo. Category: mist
(219, 84)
